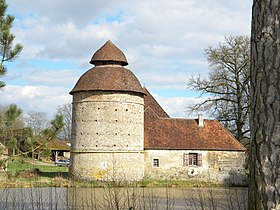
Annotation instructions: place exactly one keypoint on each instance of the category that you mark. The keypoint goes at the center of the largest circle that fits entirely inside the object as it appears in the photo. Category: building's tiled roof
(170, 133)
(108, 78)
(109, 53)
(149, 101)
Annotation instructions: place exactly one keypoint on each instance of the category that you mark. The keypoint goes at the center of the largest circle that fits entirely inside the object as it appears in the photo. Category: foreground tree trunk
(264, 184)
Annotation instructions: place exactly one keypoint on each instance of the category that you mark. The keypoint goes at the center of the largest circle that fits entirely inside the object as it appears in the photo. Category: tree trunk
(264, 183)
(55, 156)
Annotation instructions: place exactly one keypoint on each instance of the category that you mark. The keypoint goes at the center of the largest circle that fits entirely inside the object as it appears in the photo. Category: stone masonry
(216, 166)
(108, 123)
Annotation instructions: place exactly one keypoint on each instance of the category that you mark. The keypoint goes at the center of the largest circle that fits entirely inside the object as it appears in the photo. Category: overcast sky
(163, 41)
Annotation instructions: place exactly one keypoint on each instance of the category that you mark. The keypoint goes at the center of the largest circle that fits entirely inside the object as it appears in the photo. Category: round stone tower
(108, 120)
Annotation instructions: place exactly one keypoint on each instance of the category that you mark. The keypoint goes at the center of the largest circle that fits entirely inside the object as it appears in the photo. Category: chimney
(200, 120)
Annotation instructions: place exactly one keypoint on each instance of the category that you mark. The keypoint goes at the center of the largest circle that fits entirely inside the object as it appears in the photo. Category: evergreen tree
(8, 52)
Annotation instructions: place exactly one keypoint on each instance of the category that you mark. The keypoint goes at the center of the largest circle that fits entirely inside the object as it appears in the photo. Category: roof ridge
(233, 137)
(149, 108)
(154, 101)
(178, 118)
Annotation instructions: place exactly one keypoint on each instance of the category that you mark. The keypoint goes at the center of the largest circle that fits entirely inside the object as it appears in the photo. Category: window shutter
(186, 159)
(199, 159)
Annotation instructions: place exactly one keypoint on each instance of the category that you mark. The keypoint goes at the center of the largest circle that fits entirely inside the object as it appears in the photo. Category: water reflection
(123, 198)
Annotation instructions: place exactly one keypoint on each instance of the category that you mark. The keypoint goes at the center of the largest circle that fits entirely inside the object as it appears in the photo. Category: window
(155, 162)
(192, 159)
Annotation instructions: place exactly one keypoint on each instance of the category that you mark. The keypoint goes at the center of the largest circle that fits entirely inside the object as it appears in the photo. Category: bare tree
(38, 121)
(35, 144)
(66, 111)
(264, 183)
(228, 85)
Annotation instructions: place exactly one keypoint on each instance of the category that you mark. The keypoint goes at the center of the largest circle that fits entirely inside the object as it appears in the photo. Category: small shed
(59, 149)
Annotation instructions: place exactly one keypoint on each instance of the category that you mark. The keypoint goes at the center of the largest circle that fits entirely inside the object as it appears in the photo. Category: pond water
(123, 198)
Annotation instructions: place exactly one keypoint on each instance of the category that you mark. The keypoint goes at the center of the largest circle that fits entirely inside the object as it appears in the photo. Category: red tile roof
(109, 73)
(170, 133)
(108, 78)
(109, 53)
(150, 101)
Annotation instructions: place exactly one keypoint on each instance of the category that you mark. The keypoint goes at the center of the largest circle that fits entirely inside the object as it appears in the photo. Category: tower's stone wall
(108, 166)
(107, 135)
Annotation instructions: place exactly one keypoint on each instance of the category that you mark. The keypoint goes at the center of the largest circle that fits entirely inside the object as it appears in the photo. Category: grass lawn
(18, 165)
(25, 172)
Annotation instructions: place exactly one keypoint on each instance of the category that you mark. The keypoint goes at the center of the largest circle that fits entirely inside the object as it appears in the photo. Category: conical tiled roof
(109, 54)
(109, 73)
(108, 78)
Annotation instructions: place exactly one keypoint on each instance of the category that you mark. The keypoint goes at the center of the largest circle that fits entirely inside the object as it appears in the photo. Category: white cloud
(47, 99)
(32, 74)
(171, 29)
(178, 106)
(60, 77)
(35, 98)
(81, 12)
(163, 41)
(164, 80)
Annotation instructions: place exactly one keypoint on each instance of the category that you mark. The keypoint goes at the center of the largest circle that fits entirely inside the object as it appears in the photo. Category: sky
(163, 40)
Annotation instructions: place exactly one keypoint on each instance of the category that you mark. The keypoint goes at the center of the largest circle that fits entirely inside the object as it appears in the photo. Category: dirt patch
(30, 173)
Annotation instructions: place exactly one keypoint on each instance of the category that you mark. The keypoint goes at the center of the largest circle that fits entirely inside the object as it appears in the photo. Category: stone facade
(214, 166)
(108, 135)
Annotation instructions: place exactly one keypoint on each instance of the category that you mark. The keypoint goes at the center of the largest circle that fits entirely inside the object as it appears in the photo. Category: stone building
(121, 132)
(108, 120)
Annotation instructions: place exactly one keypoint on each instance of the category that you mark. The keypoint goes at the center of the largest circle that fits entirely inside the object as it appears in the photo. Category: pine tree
(8, 52)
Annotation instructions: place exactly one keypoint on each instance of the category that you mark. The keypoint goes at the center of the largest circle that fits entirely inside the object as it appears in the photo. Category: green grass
(21, 173)
(18, 165)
